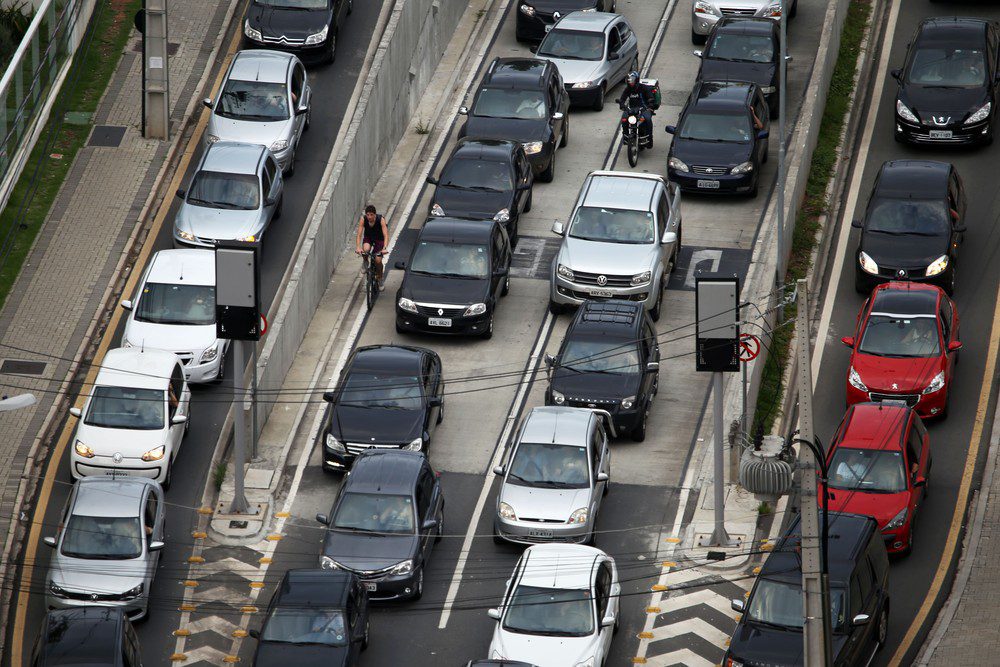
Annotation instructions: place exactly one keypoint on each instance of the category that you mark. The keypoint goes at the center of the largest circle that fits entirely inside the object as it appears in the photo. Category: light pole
(782, 71)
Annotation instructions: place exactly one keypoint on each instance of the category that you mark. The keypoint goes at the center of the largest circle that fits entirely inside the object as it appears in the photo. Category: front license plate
(708, 185)
(539, 533)
(941, 134)
(439, 321)
(603, 293)
(370, 586)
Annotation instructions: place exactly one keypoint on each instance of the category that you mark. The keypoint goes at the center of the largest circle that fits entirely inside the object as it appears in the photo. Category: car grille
(955, 139)
(577, 402)
(737, 11)
(282, 40)
(93, 597)
(186, 357)
(711, 171)
(431, 310)
(911, 399)
(583, 296)
(887, 272)
(524, 518)
(356, 448)
(583, 278)
(369, 575)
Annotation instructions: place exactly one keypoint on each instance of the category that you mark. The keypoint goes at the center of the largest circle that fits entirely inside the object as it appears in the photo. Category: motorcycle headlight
(980, 114)
(83, 450)
(416, 445)
(437, 211)
(632, 120)
(583, 84)
(855, 379)
(527, 10)
(475, 309)
(327, 563)
(628, 402)
(187, 236)
(702, 7)
(335, 445)
(252, 33)
(318, 37)
(154, 454)
(402, 568)
(935, 384)
(279, 145)
(768, 90)
(937, 266)
(506, 512)
(532, 147)
(674, 163)
(904, 112)
(558, 398)
(407, 305)
(579, 516)
(744, 168)
(565, 271)
(503, 215)
(868, 264)
(132, 593)
(897, 521)
(211, 139)
(642, 278)
(210, 354)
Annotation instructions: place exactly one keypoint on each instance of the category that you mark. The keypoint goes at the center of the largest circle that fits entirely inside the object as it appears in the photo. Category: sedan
(309, 28)
(745, 49)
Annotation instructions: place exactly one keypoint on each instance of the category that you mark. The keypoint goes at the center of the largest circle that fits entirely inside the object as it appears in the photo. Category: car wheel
(168, 479)
(861, 283)
(556, 308)
(527, 204)
(308, 121)
(506, 286)
(332, 55)
(639, 432)
(364, 639)
(418, 590)
(350, 6)
(277, 211)
(947, 404)
(222, 368)
(496, 536)
(607, 488)
(617, 626)
(440, 417)
(949, 285)
(399, 329)
(698, 39)
(550, 172)
(440, 529)
(599, 100)
(565, 134)
(794, 10)
(882, 632)
(291, 166)
(489, 328)
(755, 190)
(655, 312)
(767, 149)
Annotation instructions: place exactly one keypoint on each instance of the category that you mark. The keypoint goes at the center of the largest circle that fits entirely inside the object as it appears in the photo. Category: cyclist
(637, 97)
(373, 232)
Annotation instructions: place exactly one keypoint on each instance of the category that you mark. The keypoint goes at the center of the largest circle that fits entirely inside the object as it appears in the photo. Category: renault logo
(440, 311)
(602, 280)
(117, 458)
(556, 15)
(901, 273)
(941, 120)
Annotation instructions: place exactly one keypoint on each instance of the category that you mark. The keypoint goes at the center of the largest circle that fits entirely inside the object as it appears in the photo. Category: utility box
(717, 328)
(237, 290)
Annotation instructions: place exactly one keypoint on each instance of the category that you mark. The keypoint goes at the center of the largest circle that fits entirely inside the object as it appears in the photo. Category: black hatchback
(744, 49)
(307, 28)
(948, 85)
(609, 359)
(536, 17)
(487, 179)
(86, 636)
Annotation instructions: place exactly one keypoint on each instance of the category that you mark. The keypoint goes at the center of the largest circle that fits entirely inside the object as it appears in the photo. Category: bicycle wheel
(369, 280)
(373, 284)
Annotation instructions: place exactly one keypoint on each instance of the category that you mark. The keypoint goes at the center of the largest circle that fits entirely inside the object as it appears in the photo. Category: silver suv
(622, 241)
(706, 13)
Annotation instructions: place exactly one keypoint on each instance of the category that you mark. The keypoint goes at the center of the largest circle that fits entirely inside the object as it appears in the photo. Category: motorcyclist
(638, 98)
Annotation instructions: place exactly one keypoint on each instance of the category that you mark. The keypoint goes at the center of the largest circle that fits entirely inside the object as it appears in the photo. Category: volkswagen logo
(93, 597)
(602, 280)
(117, 458)
(556, 15)
(901, 273)
(941, 120)
(440, 311)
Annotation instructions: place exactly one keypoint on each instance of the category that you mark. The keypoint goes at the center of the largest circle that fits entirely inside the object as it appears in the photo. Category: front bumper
(566, 293)
(960, 135)
(885, 275)
(314, 54)
(389, 587)
(583, 97)
(206, 372)
(624, 420)
(540, 161)
(926, 405)
(540, 532)
(100, 466)
(728, 183)
(898, 540)
(135, 609)
(461, 325)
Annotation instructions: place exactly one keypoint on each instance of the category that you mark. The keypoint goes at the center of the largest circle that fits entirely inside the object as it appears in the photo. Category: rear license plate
(941, 134)
(604, 293)
(708, 185)
(439, 321)
(539, 533)
(370, 586)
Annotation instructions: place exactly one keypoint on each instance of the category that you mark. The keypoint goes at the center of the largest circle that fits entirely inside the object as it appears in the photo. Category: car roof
(557, 425)
(950, 29)
(232, 157)
(192, 266)
(745, 26)
(516, 73)
(917, 179)
(261, 65)
(849, 536)
(623, 190)
(457, 230)
(906, 298)
(136, 368)
(586, 21)
(721, 95)
(615, 318)
(495, 150)
(314, 588)
(875, 426)
(559, 565)
(389, 471)
(110, 496)
(391, 359)
(82, 636)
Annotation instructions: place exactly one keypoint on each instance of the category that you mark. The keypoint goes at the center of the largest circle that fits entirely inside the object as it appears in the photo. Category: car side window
(427, 378)
(150, 513)
(866, 581)
(523, 166)
(614, 41)
(762, 111)
(914, 443)
(857, 600)
(650, 335)
(945, 323)
(603, 585)
(269, 172)
(596, 444)
(427, 486)
(298, 83)
(175, 389)
(662, 214)
(947, 314)
(625, 31)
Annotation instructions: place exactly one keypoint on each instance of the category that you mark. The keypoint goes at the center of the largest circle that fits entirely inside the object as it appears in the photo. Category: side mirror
(432, 180)
(254, 633)
(671, 129)
(434, 402)
(304, 109)
(126, 304)
(178, 419)
(429, 524)
(614, 55)
(857, 224)
(557, 115)
(669, 238)
(788, 59)
(207, 102)
(737, 605)
(960, 228)
(896, 74)
(608, 621)
(498, 470)
(550, 359)
(463, 111)
(323, 519)
(698, 54)
(763, 134)
(860, 619)
(494, 614)
(399, 265)
(603, 477)
(181, 192)
(557, 227)
(329, 396)
(51, 541)
(653, 366)
(954, 346)
(156, 545)
(848, 341)
(76, 412)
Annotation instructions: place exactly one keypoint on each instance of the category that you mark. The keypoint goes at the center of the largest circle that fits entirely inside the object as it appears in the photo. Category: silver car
(235, 192)
(108, 545)
(594, 51)
(264, 100)
(558, 471)
(706, 13)
(621, 243)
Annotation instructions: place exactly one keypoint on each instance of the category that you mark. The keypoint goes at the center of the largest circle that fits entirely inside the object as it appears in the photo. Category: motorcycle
(632, 136)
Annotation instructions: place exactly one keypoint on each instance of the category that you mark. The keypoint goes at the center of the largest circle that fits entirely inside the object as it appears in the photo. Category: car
(522, 99)
(498, 663)
(913, 226)
(905, 349)
(594, 52)
(488, 179)
(706, 13)
(580, 590)
(948, 88)
(307, 28)
(769, 629)
(91, 635)
(716, 146)
(455, 276)
(135, 417)
(174, 310)
(535, 17)
(394, 496)
(558, 470)
(745, 49)
(609, 359)
(388, 396)
(315, 617)
(235, 193)
(879, 464)
(264, 99)
(622, 242)
(107, 545)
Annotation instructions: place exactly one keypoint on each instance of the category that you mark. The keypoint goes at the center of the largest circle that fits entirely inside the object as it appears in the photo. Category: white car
(135, 417)
(174, 310)
(560, 608)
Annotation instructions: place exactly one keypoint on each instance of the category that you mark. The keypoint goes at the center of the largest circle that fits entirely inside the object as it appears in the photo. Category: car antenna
(142, 346)
(182, 271)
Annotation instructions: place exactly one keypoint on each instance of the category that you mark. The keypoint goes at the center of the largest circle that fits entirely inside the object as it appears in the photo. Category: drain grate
(109, 136)
(22, 367)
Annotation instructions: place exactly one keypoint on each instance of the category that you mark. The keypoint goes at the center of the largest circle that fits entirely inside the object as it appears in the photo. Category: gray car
(557, 472)
(706, 13)
(235, 192)
(108, 545)
(594, 51)
(264, 99)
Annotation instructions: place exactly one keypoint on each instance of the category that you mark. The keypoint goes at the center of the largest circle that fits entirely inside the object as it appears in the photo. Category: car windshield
(375, 513)
(572, 45)
(511, 103)
(600, 356)
(716, 127)
(612, 225)
(294, 4)
(253, 100)
(452, 260)
(167, 303)
(215, 189)
(374, 390)
(918, 217)
(298, 625)
(741, 48)
(477, 175)
(102, 538)
(555, 612)
(122, 407)
(779, 603)
(948, 67)
(871, 470)
(550, 466)
(888, 335)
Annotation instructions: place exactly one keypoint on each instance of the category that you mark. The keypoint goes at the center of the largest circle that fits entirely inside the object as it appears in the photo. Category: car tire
(531, 200)
(638, 434)
(506, 286)
(440, 417)
(277, 211)
(949, 285)
(698, 39)
(564, 139)
(350, 7)
(599, 100)
(656, 310)
(591, 540)
(332, 55)
(496, 536)
(755, 190)
(418, 590)
(291, 166)
(364, 638)
(607, 489)
(399, 329)
(222, 369)
(489, 328)
(882, 629)
(168, 478)
(556, 308)
(767, 149)
(860, 283)
(794, 10)
(549, 174)
(440, 529)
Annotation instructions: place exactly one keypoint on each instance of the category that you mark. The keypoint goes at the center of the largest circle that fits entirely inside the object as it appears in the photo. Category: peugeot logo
(895, 386)
(901, 273)
(602, 280)
(440, 311)
(941, 120)
(117, 458)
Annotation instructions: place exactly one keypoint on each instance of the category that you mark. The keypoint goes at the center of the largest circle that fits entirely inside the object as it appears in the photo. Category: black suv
(315, 617)
(948, 83)
(487, 179)
(524, 100)
(388, 396)
(307, 28)
(384, 523)
(455, 277)
(744, 49)
(913, 226)
(717, 145)
(609, 359)
(534, 16)
(86, 635)
(770, 629)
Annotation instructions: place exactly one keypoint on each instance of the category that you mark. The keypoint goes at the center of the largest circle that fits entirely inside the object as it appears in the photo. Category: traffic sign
(749, 347)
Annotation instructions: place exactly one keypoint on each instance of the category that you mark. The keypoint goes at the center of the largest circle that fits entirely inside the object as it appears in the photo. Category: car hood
(218, 223)
(130, 443)
(538, 503)
(607, 258)
(248, 131)
(883, 507)
(908, 251)
(928, 102)
(361, 552)
(432, 289)
(472, 203)
(888, 374)
(762, 645)
(574, 71)
(177, 338)
(692, 152)
(97, 576)
(376, 425)
(763, 74)
(510, 129)
(543, 651)
(594, 385)
(278, 654)
(289, 23)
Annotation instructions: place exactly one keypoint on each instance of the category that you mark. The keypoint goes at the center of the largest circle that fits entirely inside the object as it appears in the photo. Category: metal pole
(720, 537)
(254, 432)
(239, 505)
(782, 69)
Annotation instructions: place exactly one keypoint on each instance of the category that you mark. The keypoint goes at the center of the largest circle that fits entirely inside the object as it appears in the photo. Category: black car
(307, 28)
(485, 179)
(744, 49)
(86, 636)
(720, 140)
(388, 396)
(913, 227)
(609, 359)
(769, 631)
(454, 278)
(533, 16)
(948, 83)
(315, 617)
(384, 523)
(522, 99)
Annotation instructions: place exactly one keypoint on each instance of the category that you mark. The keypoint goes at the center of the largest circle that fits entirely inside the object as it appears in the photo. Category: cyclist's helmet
(632, 78)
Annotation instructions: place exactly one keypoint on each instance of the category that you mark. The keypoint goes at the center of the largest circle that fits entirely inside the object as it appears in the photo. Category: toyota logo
(602, 280)
(709, 171)
(440, 311)
(117, 458)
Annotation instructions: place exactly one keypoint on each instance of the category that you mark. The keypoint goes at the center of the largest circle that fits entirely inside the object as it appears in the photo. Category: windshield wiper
(456, 275)
(778, 626)
(514, 475)
(353, 529)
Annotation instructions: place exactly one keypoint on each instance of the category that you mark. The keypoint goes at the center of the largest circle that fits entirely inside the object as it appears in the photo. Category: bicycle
(371, 279)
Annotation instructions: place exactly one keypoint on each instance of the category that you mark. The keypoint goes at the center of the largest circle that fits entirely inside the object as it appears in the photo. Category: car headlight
(980, 114)
(251, 32)
(154, 454)
(475, 309)
(592, 9)
(404, 567)
(628, 402)
(558, 398)
(642, 278)
(249, 238)
(210, 354)
(702, 7)
(132, 593)
(935, 384)
(506, 512)
(532, 147)
(187, 236)
(937, 266)
(732, 662)
(58, 591)
(83, 450)
(407, 305)
(211, 139)
(855, 379)
(632, 120)
(503, 215)
(583, 84)
(868, 264)
(744, 168)
(335, 445)
(768, 90)
(318, 37)
(565, 271)
(904, 112)
(527, 10)
(327, 563)
(674, 163)
(586, 663)
(579, 516)
(416, 445)
(772, 10)
(279, 145)
(897, 521)
(437, 211)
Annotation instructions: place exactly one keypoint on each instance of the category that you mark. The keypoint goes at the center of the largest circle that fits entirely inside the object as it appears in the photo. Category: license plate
(439, 321)
(370, 586)
(539, 533)
(941, 134)
(708, 185)
(604, 293)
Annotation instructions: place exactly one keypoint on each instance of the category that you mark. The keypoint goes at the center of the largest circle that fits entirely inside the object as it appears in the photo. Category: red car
(878, 465)
(905, 349)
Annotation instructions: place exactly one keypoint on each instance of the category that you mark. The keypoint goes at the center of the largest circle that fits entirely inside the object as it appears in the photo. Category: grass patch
(88, 78)
(423, 126)
(815, 203)
(219, 475)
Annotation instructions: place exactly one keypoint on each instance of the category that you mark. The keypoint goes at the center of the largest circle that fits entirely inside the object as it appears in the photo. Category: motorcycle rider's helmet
(632, 78)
